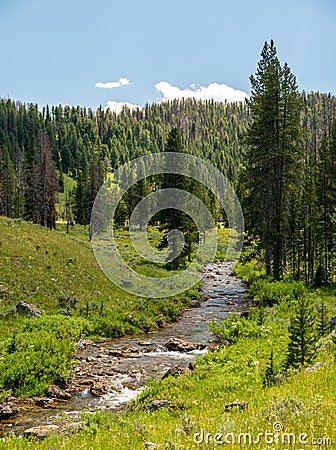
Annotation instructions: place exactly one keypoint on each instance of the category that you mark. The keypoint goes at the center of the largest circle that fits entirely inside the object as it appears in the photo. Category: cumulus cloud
(118, 106)
(113, 84)
(214, 91)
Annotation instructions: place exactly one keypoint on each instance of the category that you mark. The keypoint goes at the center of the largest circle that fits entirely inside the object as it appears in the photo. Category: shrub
(269, 293)
(234, 328)
(40, 354)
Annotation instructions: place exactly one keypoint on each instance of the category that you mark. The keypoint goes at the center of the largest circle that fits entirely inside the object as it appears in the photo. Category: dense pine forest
(39, 148)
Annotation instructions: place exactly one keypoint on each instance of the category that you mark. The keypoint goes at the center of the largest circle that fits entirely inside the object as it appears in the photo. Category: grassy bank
(58, 273)
(299, 406)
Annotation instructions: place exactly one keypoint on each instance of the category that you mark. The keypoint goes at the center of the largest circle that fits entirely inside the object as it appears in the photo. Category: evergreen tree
(269, 377)
(7, 183)
(43, 185)
(273, 156)
(302, 338)
(322, 320)
(172, 218)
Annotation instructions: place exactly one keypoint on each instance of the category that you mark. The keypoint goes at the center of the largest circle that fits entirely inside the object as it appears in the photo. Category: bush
(235, 327)
(40, 354)
(268, 293)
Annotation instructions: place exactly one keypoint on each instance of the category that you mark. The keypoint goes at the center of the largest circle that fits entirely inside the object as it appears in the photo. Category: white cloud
(113, 84)
(118, 106)
(214, 91)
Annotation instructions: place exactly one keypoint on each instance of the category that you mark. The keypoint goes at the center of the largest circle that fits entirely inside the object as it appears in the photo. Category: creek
(121, 367)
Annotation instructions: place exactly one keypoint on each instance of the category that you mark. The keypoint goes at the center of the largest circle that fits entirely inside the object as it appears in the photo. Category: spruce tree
(269, 377)
(172, 218)
(322, 320)
(302, 337)
(273, 156)
(7, 183)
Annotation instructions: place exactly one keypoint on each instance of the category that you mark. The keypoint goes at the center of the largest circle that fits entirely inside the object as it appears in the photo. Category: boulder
(55, 392)
(175, 371)
(159, 404)
(180, 345)
(8, 410)
(74, 426)
(126, 352)
(150, 445)
(98, 389)
(145, 343)
(42, 431)
(239, 406)
(315, 367)
(28, 309)
(195, 304)
(43, 402)
(82, 343)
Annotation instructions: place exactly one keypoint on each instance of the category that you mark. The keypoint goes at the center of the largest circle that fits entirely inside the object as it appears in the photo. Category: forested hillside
(39, 147)
(86, 144)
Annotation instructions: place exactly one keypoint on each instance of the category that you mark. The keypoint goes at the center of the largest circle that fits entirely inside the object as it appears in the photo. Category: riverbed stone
(44, 402)
(98, 388)
(195, 304)
(180, 345)
(145, 343)
(56, 392)
(8, 410)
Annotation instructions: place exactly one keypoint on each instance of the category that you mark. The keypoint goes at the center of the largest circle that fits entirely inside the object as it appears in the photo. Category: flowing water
(123, 366)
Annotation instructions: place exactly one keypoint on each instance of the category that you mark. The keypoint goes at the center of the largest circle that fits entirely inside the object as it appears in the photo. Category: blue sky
(57, 51)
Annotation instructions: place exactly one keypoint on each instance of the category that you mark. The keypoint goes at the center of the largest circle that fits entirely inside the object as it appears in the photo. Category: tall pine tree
(273, 156)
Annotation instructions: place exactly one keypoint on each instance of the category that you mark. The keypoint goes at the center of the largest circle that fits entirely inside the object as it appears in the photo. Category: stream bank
(112, 373)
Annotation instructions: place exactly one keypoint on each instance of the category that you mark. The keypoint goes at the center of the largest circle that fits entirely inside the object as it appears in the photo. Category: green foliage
(322, 319)
(268, 293)
(67, 303)
(58, 273)
(234, 328)
(302, 336)
(40, 354)
(273, 156)
(269, 377)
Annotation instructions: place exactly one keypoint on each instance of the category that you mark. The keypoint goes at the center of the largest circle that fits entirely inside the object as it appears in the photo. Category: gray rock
(315, 367)
(98, 389)
(74, 426)
(41, 432)
(145, 343)
(238, 406)
(175, 371)
(159, 404)
(55, 392)
(150, 445)
(44, 402)
(180, 345)
(195, 304)
(8, 410)
(126, 352)
(28, 309)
